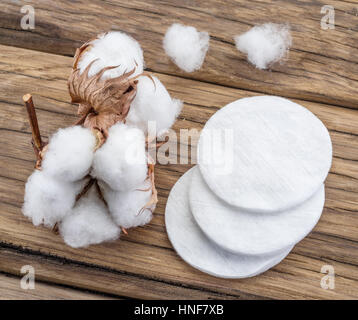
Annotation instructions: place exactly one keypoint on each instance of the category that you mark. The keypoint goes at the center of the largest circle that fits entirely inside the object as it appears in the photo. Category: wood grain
(62, 271)
(322, 65)
(10, 290)
(143, 264)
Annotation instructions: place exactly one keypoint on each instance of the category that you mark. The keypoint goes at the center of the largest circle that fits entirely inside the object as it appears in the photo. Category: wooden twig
(81, 120)
(36, 140)
(150, 145)
(36, 136)
(56, 229)
(86, 188)
(100, 194)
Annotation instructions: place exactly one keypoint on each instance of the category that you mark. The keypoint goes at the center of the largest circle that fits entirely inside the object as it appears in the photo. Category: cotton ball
(114, 48)
(153, 103)
(48, 200)
(121, 162)
(265, 44)
(126, 206)
(186, 46)
(89, 223)
(69, 153)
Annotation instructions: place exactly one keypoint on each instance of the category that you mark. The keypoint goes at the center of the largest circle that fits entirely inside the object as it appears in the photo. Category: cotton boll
(48, 200)
(126, 206)
(153, 103)
(89, 223)
(113, 49)
(265, 44)
(186, 46)
(121, 162)
(70, 153)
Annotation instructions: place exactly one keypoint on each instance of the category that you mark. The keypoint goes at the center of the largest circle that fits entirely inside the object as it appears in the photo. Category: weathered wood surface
(58, 270)
(143, 264)
(10, 289)
(322, 65)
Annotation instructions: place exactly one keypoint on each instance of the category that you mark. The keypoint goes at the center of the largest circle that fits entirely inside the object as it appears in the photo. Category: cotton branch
(36, 136)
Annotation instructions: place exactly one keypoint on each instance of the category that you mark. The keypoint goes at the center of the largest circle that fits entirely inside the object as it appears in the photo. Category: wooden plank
(65, 272)
(322, 64)
(146, 252)
(297, 277)
(10, 289)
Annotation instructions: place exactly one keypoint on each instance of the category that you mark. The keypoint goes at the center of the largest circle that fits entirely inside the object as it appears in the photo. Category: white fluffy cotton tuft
(89, 223)
(126, 206)
(153, 103)
(265, 44)
(186, 46)
(121, 162)
(70, 154)
(113, 48)
(47, 200)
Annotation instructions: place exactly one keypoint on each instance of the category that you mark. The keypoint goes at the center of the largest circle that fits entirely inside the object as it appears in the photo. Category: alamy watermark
(216, 148)
(27, 282)
(327, 21)
(28, 20)
(327, 281)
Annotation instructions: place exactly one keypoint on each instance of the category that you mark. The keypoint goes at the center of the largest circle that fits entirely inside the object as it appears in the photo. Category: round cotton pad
(264, 153)
(250, 233)
(198, 251)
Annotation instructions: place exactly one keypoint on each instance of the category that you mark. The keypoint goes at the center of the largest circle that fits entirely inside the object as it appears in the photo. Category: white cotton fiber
(48, 200)
(121, 162)
(126, 206)
(113, 49)
(70, 153)
(265, 44)
(153, 103)
(186, 46)
(89, 223)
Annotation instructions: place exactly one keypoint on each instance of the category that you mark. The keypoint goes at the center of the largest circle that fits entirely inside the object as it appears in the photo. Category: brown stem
(55, 228)
(36, 141)
(100, 194)
(86, 188)
(81, 120)
(36, 136)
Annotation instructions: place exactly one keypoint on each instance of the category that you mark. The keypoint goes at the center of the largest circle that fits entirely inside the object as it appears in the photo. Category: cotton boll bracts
(113, 48)
(103, 146)
(265, 44)
(122, 162)
(89, 223)
(153, 103)
(186, 46)
(102, 103)
(103, 81)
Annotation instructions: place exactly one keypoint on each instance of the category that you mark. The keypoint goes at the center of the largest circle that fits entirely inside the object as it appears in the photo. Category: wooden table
(321, 73)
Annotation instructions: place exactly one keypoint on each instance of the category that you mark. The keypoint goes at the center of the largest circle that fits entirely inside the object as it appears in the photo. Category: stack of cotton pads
(258, 188)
